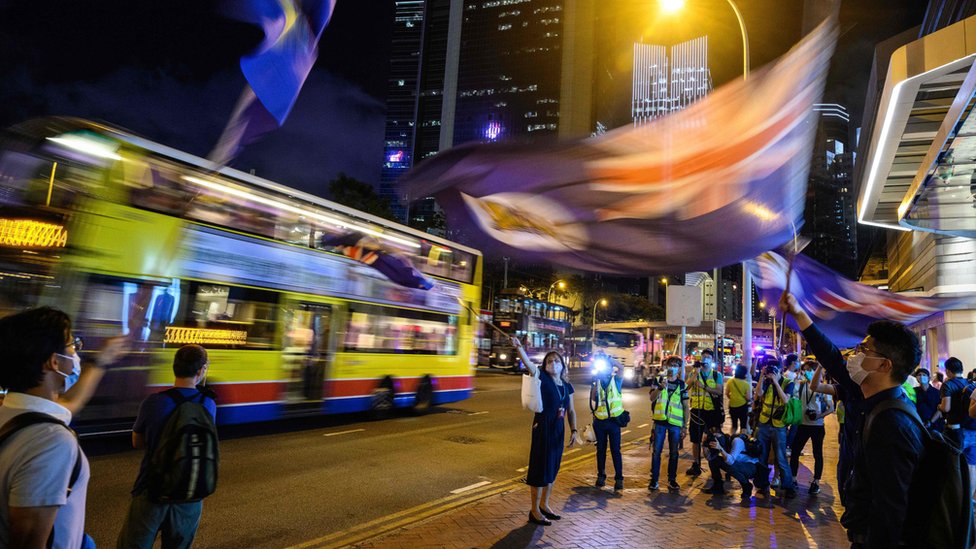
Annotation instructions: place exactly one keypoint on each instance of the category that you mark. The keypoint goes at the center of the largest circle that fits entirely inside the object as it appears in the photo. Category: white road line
(625, 432)
(643, 425)
(471, 487)
(343, 432)
(522, 469)
(574, 450)
(479, 413)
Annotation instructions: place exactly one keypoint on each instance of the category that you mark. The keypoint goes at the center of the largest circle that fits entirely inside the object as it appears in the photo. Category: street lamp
(562, 286)
(593, 323)
(672, 6)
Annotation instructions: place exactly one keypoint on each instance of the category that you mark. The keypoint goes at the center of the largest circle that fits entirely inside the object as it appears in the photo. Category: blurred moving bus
(129, 236)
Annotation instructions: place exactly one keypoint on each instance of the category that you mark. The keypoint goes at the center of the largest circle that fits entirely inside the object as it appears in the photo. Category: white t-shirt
(35, 469)
(812, 401)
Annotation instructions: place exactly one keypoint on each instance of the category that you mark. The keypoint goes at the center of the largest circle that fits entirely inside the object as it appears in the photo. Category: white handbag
(589, 435)
(532, 393)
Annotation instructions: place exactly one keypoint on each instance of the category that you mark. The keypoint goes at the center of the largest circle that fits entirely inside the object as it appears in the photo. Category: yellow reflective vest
(668, 407)
(773, 406)
(603, 400)
(700, 398)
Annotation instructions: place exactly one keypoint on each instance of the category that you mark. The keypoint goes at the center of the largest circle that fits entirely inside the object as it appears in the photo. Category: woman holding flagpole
(548, 431)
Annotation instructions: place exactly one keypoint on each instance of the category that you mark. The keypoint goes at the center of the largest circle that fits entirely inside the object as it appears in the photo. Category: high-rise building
(829, 214)
(664, 84)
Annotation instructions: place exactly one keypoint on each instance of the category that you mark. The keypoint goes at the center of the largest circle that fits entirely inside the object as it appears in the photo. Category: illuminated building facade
(663, 84)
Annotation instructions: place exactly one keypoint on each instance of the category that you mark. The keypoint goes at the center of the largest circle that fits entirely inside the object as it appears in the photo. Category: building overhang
(922, 155)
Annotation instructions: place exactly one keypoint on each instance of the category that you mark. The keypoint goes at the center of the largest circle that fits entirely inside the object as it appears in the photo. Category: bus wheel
(381, 399)
(424, 399)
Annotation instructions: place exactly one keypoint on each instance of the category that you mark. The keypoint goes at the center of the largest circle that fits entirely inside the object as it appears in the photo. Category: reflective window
(374, 329)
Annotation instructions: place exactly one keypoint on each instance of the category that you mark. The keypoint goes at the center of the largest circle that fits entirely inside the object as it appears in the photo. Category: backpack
(940, 511)
(752, 446)
(793, 412)
(183, 467)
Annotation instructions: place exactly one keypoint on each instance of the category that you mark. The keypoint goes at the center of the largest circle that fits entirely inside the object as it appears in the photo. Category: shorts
(701, 422)
(967, 443)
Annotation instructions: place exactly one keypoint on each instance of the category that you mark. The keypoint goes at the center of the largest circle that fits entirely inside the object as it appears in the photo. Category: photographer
(606, 405)
(739, 457)
(669, 400)
(771, 399)
(816, 406)
(705, 387)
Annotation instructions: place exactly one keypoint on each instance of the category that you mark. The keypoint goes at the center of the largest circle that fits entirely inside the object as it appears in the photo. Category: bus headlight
(502, 356)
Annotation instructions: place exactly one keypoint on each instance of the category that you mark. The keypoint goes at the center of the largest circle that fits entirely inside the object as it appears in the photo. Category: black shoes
(540, 522)
(814, 488)
(694, 470)
(716, 490)
(618, 485)
(653, 486)
(601, 481)
(549, 515)
(673, 486)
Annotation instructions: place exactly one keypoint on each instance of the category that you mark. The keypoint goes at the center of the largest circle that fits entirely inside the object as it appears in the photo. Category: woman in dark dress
(548, 431)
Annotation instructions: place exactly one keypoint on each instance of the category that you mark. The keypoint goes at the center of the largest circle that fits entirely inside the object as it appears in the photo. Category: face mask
(809, 375)
(857, 372)
(707, 364)
(924, 380)
(72, 378)
(672, 371)
(790, 375)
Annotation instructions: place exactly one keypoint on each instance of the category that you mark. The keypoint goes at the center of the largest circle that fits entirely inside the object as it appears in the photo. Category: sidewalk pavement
(594, 517)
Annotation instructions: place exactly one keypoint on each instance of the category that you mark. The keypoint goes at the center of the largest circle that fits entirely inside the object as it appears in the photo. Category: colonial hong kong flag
(275, 70)
(369, 252)
(841, 308)
(719, 182)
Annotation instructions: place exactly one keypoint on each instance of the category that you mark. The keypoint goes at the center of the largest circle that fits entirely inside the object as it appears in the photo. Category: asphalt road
(285, 483)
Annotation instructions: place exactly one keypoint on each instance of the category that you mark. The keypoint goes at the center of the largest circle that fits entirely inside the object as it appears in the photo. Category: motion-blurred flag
(275, 70)
(716, 183)
(841, 308)
(369, 252)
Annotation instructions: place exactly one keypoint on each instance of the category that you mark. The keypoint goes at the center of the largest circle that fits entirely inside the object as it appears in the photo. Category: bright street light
(671, 6)
(560, 283)
(593, 323)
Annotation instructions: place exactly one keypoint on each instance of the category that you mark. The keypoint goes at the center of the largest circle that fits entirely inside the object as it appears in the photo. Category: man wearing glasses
(878, 489)
(43, 471)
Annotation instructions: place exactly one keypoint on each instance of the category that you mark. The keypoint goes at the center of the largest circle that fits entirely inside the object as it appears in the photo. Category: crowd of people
(906, 467)
(44, 473)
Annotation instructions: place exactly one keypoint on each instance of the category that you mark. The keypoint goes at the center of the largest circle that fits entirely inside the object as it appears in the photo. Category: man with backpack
(177, 429)
(960, 428)
(739, 457)
(705, 388)
(907, 487)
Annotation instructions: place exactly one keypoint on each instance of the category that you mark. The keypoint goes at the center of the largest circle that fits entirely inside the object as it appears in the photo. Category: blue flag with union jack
(716, 183)
(275, 70)
(840, 307)
(366, 250)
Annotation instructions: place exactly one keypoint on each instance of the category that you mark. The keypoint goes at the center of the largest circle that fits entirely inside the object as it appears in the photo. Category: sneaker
(764, 491)
(653, 486)
(673, 486)
(774, 483)
(694, 470)
(601, 481)
(814, 488)
(715, 490)
(790, 493)
(618, 485)
(747, 490)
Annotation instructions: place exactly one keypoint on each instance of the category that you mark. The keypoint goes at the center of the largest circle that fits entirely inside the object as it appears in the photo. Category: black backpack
(183, 468)
(940, 511)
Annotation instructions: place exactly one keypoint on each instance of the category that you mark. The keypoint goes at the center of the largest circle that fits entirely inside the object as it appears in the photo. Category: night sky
(168, 70)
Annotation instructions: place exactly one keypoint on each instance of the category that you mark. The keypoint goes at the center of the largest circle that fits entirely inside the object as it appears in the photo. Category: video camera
(601, 366)
(723, 441)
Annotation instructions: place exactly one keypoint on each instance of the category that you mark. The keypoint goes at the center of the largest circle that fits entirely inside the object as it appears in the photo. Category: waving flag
(841, 308)
(716, 183)
(277, 68)
(368, 251)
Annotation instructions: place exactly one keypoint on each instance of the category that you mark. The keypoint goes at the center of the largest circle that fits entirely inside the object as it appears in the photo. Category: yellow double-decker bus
(133, 237)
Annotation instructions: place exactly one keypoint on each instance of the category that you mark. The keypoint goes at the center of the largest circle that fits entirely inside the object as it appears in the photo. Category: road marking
(343, 432)
(573, 450)
(624, 432)
(643, 425)
(471, 487)
(479, 413)
(521, 469)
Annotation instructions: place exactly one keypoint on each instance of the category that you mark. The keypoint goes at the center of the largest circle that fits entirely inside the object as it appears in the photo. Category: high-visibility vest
(614, 400)
(840, 412)
(770, 398)
(667, 408)
(909, 390)
(700, 398)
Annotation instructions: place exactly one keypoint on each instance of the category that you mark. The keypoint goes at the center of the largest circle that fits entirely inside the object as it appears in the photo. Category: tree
(360, 195)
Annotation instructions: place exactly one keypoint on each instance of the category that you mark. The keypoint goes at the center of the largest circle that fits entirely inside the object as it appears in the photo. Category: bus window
(222, 316)
(374, 329)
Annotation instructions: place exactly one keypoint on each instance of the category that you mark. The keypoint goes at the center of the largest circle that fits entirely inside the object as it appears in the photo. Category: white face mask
(855, 369)
(790, 375)
(72, 378)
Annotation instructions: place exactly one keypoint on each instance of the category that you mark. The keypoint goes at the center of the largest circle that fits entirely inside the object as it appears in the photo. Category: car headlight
(503, 356)
(628, 373)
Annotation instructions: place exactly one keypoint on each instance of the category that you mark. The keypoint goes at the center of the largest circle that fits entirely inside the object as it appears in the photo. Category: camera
(660, 381)
(723, 441)
(812, 415)
(771, 369)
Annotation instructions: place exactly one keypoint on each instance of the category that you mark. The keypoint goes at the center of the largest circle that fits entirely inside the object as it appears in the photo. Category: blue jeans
(606, 431)
(742, 470)
(176, 521)
(768, 436)
(673, 433)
